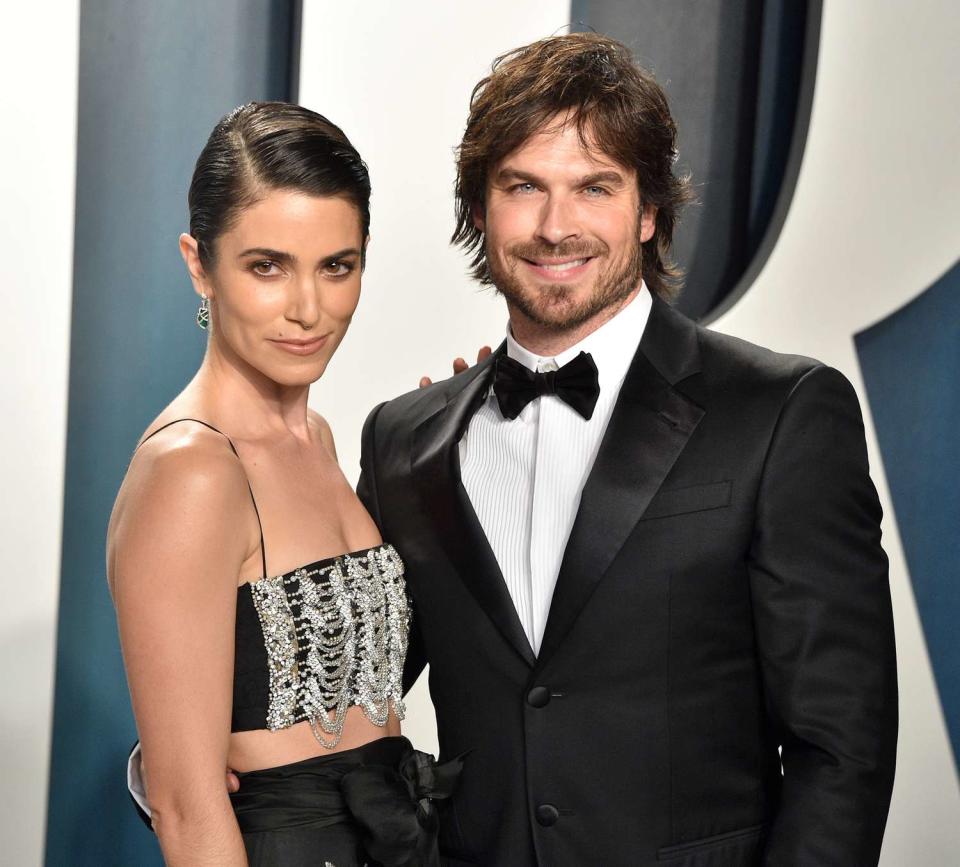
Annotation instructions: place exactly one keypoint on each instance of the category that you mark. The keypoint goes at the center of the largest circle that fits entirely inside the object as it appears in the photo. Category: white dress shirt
(525, 477)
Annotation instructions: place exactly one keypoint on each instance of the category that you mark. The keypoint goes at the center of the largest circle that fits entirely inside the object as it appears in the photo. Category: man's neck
(548, 342)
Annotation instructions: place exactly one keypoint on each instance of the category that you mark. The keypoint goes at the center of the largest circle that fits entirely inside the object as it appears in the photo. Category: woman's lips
(560, 270)
(302, 347)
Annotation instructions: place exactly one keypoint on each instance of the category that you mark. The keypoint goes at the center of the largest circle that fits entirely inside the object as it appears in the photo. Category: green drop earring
(203, 314)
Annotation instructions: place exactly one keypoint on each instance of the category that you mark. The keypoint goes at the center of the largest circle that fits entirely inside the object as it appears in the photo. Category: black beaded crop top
(314, 642)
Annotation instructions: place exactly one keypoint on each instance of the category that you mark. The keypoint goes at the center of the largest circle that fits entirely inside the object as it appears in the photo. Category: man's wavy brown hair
(618, 108)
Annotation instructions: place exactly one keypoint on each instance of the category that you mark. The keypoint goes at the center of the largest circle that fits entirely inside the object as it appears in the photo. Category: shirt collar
(612, 345)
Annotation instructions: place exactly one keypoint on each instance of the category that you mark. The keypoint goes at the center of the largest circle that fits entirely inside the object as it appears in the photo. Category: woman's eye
(265, 268)
(339, 269)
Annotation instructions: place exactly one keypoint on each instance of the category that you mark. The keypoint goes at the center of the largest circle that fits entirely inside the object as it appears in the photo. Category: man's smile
(553, 269)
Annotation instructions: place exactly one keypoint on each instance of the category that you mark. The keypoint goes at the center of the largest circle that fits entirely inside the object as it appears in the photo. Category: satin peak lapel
(436, 473)
(649, 428)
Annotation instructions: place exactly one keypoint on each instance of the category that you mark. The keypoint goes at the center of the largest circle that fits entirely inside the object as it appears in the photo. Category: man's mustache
(566, 250)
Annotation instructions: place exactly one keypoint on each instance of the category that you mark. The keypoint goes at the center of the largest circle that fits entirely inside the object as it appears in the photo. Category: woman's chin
(296, 377)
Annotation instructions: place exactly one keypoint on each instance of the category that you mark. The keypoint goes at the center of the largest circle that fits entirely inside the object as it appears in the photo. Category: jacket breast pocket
(694, 498)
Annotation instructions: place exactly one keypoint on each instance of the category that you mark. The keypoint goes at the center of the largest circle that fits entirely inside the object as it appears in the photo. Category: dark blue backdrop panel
(911, 367)
(734, 71)
(154, 78)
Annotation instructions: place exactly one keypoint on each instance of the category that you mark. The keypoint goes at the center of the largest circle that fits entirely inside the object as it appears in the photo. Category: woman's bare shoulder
(186, 457)
(183, 482)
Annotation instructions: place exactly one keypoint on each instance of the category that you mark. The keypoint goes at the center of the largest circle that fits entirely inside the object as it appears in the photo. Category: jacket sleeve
(369, 496)
(824, 628)
(367, 483)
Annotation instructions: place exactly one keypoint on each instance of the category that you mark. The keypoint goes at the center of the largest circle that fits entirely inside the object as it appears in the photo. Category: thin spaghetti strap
(198, 421)
(233, 448)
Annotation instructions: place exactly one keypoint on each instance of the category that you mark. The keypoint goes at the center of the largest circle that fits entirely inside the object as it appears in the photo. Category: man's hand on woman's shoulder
(459, 365)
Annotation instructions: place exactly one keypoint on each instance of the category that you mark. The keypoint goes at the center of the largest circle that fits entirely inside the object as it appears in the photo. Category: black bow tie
(576, 384)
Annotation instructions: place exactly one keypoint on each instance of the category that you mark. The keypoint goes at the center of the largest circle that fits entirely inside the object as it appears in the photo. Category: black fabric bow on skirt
(373, 805)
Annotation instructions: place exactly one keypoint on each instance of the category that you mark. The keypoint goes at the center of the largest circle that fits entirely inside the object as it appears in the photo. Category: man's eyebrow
(506, 175)
(605, 176)
(608, 176)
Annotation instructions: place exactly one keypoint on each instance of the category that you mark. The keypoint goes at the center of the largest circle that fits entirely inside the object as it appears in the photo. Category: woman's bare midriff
(259, 749)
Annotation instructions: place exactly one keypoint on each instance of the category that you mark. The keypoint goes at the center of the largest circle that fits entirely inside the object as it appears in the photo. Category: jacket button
(539, 696)
(547, 815)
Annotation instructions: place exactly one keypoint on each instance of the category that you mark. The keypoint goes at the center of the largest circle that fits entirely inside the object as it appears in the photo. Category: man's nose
(558, 221)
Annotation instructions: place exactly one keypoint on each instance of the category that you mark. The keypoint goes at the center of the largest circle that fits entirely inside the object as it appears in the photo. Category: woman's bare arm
(178, 541)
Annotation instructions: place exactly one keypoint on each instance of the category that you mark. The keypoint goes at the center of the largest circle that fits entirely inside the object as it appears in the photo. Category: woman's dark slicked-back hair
(618, 108)
(264, 146)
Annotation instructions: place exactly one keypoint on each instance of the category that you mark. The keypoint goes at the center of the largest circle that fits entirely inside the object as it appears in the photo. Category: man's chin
(555, 306)
(550, 298)
(555, 314)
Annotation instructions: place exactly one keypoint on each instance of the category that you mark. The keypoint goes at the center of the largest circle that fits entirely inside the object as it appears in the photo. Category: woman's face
(285, 283)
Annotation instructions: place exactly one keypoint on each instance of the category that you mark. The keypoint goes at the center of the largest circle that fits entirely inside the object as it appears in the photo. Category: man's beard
(543, 304)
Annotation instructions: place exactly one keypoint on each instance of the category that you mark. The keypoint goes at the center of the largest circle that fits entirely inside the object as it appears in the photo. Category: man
(644, 557)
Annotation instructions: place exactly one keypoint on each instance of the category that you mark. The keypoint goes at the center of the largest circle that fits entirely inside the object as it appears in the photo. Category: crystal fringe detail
(336, 636)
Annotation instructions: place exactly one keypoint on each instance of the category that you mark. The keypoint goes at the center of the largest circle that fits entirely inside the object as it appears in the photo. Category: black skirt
(368, 806)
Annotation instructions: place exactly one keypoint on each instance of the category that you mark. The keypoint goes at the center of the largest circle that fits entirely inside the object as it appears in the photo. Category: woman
(251, 639)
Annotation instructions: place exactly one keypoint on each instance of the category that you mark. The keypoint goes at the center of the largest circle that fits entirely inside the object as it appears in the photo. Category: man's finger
(459, 365)
(233, 782)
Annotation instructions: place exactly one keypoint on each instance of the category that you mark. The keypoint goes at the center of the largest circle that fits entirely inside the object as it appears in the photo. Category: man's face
(563, 229)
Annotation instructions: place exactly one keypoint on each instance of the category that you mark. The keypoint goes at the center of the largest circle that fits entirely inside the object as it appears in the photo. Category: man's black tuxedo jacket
(723, 594)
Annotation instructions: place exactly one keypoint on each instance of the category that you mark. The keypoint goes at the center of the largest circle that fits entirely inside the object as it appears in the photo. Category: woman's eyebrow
(267, 253)
(342, 254)
(289, 258)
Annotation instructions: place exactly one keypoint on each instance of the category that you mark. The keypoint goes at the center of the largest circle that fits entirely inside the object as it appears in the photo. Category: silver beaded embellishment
(336, 636)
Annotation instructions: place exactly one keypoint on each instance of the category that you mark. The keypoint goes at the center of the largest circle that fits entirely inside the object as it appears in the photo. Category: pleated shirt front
(525, 477)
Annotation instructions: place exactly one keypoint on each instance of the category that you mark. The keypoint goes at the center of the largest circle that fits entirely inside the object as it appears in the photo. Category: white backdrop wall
(873, 222)
(397, 78)
(37, 155)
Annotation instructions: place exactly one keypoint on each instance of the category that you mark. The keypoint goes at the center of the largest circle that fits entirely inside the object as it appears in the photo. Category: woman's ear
(191, 258)
(363, 252)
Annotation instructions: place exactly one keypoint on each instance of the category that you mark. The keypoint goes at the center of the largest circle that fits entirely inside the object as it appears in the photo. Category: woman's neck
(250, 404)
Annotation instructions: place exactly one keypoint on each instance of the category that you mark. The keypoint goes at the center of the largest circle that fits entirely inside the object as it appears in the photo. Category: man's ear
(648, 222)
(479, 216)
(191, 257)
